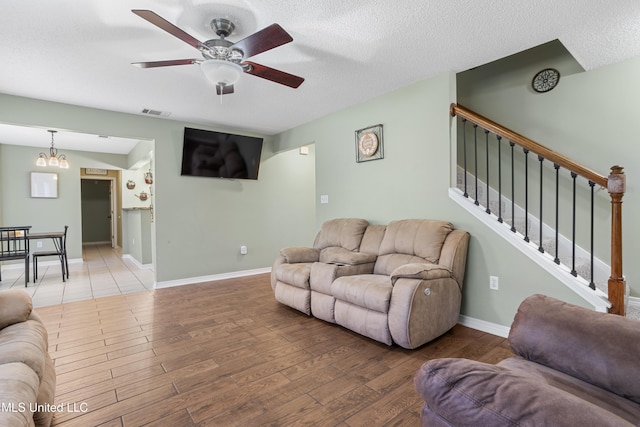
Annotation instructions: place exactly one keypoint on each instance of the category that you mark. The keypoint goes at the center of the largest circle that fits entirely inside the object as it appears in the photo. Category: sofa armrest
(294, 255)
(469, 393)
(599, 348)
(423, 271)
(421, 310)
(15, 307)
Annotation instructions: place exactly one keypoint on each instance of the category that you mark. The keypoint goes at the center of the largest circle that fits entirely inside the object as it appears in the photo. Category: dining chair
(14, 244)
(60, 251)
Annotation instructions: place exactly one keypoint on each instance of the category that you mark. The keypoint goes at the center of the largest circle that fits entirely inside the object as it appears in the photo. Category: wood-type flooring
(225, 353)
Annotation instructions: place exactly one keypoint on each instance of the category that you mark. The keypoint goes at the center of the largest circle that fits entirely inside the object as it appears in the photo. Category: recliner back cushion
(342, 232)
(409, 241)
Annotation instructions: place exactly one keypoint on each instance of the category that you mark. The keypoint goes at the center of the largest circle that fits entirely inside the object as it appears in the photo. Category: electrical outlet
(39, 244)
(493, 283)
(243, 250)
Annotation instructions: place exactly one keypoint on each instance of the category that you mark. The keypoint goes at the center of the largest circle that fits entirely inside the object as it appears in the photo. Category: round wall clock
(545, 80)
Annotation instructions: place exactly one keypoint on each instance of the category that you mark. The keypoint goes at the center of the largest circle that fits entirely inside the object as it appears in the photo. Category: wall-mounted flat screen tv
(220, 155)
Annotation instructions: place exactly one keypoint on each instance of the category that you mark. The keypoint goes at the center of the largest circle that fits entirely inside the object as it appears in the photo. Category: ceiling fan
(225, 61)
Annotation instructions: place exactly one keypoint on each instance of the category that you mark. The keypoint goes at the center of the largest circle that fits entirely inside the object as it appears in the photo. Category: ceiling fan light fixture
(220, 72)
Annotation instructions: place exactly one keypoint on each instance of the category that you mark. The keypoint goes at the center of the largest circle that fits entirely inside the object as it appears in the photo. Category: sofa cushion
(15, 306)
(25, 342)
(610, 343)
(294, 274)
(342, 256)
(420, 237)
(342, 232)
(369, 323)
(371, 291)
(478, 394)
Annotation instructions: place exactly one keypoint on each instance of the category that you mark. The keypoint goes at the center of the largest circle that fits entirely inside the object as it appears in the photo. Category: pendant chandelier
(54, 158)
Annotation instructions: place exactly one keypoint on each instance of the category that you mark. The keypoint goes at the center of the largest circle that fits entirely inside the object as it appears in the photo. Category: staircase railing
(614, 183)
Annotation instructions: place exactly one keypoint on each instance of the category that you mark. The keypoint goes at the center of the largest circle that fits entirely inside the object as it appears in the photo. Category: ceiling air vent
(156, 113)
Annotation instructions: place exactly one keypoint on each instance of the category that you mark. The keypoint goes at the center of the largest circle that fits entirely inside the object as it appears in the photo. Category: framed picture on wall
(44, 185)
(369, 144)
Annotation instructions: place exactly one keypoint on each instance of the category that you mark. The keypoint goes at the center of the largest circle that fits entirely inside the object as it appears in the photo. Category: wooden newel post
(616, 186)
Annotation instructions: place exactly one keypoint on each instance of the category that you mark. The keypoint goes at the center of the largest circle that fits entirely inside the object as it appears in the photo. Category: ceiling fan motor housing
(221, 49)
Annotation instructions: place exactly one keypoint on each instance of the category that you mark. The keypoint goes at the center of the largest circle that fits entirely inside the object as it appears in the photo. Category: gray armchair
(573, 367)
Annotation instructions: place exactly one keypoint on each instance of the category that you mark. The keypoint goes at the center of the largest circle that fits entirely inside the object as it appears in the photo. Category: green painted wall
(589, 116)
(18, 208)
(412, 181)
(200, 223)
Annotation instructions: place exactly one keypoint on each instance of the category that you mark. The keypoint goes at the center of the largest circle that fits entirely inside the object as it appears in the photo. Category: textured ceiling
(79, 52)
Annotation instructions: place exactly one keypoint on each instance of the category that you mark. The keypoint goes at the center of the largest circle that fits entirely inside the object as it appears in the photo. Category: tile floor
(103, 272)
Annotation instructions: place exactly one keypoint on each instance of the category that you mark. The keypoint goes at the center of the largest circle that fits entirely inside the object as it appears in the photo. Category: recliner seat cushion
(370, 291)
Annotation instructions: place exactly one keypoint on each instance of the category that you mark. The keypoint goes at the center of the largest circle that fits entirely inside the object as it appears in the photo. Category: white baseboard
(634, 302)
(51, 261)
(484, 326)
(138, 263)
(211, 278)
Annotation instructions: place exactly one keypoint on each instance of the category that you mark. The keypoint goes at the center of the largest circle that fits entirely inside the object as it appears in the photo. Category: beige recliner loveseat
(400, 282)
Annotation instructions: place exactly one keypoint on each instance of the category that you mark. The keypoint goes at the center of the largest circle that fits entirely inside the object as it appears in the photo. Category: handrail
(615, 183)
(547, 153)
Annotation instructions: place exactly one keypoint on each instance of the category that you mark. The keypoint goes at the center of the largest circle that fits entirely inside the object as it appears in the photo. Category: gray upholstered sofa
(573, 367)
(400, 282)
(27, 374)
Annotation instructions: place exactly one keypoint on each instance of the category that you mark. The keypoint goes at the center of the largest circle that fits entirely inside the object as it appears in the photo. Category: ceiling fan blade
(167, 63)
(224, 89)
(162, 23)
(263, 40)
(273, 75)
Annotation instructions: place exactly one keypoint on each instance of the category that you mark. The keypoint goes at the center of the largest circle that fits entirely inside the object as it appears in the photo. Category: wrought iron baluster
(592, 285)
(464, 146)
(475, 147)
(486, 143)
(499, 138)
(557, 168)
(540, 248)
(526, 194)
(573, 232)
(513, 191)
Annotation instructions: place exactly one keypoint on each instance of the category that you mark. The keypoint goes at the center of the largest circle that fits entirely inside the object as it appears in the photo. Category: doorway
(97, 198)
